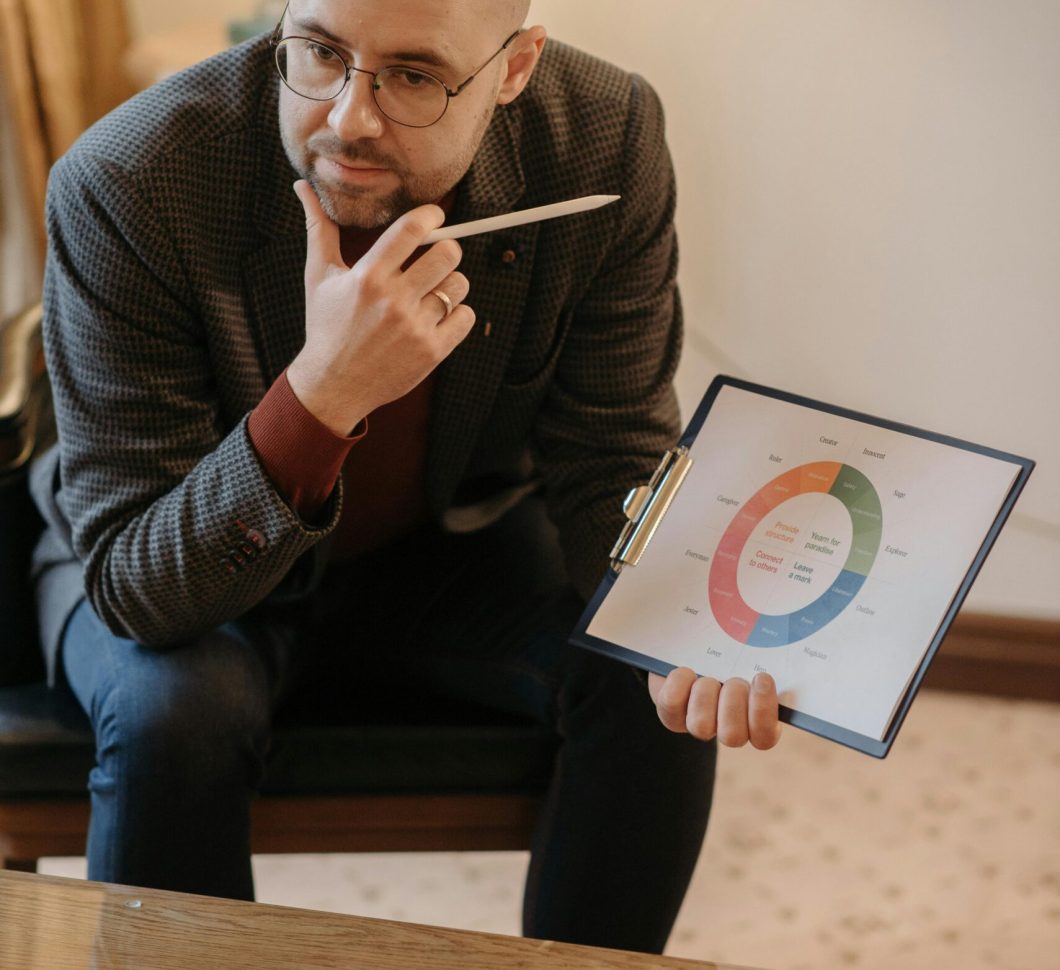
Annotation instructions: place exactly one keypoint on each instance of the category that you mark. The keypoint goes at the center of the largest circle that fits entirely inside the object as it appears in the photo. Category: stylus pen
(523, 216)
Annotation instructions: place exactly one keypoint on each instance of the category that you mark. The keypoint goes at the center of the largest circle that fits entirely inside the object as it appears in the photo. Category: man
(278, 465)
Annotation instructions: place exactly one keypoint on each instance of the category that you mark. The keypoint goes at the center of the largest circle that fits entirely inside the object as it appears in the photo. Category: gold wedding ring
(446, 302)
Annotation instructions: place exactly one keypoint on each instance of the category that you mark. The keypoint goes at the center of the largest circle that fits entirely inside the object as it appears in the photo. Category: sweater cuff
(301, 455)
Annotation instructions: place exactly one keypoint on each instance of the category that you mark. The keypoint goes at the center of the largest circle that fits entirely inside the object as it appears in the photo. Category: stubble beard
(356, 208)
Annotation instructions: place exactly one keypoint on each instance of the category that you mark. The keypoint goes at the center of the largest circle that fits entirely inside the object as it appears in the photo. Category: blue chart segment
(745, 624)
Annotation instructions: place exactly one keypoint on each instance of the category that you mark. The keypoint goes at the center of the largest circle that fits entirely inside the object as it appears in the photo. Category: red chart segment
(741, 621)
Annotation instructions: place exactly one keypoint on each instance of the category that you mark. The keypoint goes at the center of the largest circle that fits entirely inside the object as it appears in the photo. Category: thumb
(322, 235)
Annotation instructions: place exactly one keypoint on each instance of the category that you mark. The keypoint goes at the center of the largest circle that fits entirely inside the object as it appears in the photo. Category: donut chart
(755, 629)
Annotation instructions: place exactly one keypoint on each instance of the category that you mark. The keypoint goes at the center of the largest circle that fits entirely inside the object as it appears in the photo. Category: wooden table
(47, 923)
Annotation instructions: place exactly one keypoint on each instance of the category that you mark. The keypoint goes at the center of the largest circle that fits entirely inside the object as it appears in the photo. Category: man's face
(366, 169)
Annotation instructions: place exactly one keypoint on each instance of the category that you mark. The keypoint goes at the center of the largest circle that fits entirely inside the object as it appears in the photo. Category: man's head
(367, 168)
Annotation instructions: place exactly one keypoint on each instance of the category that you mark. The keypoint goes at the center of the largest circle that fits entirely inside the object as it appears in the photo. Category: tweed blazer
(174, 298)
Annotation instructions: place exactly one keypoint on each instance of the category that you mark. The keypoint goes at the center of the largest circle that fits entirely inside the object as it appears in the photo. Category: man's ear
(522, 59)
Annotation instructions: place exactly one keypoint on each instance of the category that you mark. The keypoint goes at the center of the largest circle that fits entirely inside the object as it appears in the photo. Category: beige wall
(153, 16)
(869, 213)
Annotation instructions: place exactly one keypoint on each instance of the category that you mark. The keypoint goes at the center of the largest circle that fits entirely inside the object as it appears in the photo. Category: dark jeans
(182, 734)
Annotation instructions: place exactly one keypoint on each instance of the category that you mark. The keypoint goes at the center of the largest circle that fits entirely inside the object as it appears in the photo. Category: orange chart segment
(740, 621)
(817, 476)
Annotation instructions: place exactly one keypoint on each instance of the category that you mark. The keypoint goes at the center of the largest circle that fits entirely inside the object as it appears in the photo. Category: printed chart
(821, 548)
(784, 534)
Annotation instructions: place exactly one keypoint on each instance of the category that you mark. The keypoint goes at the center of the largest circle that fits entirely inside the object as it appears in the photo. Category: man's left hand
(735, 712)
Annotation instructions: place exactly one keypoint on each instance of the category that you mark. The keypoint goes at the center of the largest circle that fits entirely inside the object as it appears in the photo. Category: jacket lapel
(274, 271)
(468, 380)
(274, 281)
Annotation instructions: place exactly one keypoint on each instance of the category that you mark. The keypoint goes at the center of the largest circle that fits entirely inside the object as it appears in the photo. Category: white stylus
(520, 218)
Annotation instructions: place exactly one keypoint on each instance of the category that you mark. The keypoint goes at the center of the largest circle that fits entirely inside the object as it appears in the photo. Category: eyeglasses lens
(410, 97)
(310, 69)
(404, 95)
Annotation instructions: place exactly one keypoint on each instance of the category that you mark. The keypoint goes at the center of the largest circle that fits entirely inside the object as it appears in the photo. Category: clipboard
(829, 547)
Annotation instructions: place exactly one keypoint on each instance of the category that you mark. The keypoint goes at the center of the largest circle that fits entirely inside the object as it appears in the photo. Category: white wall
(869, 213)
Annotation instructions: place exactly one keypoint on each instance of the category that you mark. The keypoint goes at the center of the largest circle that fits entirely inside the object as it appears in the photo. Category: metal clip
(646, 505)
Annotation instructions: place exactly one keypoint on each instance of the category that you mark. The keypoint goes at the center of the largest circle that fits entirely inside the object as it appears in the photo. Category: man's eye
(320, 52)
(410, 78)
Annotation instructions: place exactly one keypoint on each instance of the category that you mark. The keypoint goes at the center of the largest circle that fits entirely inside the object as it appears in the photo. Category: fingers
(454, 324)
(405, 236)
(455, 287)
(732, 713)
(432, 271)
(431, 268)
(749, 712)
(762, 712)
(455, 327)
(394, 246)
(323, 247)
(735, 712)
(671, 701)
(702, 716)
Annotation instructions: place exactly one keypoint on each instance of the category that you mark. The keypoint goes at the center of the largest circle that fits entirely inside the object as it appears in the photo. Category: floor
(944, 855)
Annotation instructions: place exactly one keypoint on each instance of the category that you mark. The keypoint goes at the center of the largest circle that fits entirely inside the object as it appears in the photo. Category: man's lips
(356, 172)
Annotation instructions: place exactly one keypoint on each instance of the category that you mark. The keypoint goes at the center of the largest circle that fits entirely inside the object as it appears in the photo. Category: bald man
(299, 450)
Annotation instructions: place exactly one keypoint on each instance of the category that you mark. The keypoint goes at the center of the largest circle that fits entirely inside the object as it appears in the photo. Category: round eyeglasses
(406, 95)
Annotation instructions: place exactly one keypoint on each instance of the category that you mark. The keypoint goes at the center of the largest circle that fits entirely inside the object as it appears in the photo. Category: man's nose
(355, 114)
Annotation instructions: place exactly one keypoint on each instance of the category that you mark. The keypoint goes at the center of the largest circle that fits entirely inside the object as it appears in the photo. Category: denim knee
(197, 734)
(196, 715)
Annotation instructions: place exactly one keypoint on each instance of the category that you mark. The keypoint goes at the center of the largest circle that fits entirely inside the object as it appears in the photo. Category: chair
(452, 779)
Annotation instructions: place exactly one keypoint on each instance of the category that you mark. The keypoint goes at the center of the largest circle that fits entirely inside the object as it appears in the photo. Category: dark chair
(453, 778)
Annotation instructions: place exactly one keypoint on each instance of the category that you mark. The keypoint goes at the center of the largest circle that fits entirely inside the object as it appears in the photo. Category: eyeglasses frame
(450, 93)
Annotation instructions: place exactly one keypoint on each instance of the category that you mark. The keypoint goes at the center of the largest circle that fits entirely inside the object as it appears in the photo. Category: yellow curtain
(60, 69)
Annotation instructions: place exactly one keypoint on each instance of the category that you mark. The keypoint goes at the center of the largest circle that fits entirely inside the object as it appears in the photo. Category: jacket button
(257, 538)
(252, 534)
(509, 256)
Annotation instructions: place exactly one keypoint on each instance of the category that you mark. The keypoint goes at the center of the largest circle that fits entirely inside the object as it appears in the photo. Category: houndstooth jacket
(174, 297)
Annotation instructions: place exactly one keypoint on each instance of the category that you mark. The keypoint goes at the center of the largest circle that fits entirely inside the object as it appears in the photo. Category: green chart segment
(857, 494)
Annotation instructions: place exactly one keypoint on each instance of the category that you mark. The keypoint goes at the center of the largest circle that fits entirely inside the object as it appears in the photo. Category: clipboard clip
(646, 505)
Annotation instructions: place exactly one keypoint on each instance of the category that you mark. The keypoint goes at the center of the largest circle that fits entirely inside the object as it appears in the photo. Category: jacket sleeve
(176, 523)
(611, 410)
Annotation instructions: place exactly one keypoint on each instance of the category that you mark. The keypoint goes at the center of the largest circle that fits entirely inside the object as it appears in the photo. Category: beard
(365, 207)
(361, 207)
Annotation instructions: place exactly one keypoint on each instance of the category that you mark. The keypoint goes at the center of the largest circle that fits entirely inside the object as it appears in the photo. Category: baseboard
(1007, 656)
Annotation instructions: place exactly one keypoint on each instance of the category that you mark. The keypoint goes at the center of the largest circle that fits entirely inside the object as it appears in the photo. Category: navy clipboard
(829, 547)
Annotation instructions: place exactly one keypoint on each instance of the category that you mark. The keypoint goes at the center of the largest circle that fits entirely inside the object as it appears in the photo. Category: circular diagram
(795, 553)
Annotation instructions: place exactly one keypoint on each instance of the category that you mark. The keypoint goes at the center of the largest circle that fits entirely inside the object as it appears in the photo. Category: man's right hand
(374, 331)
